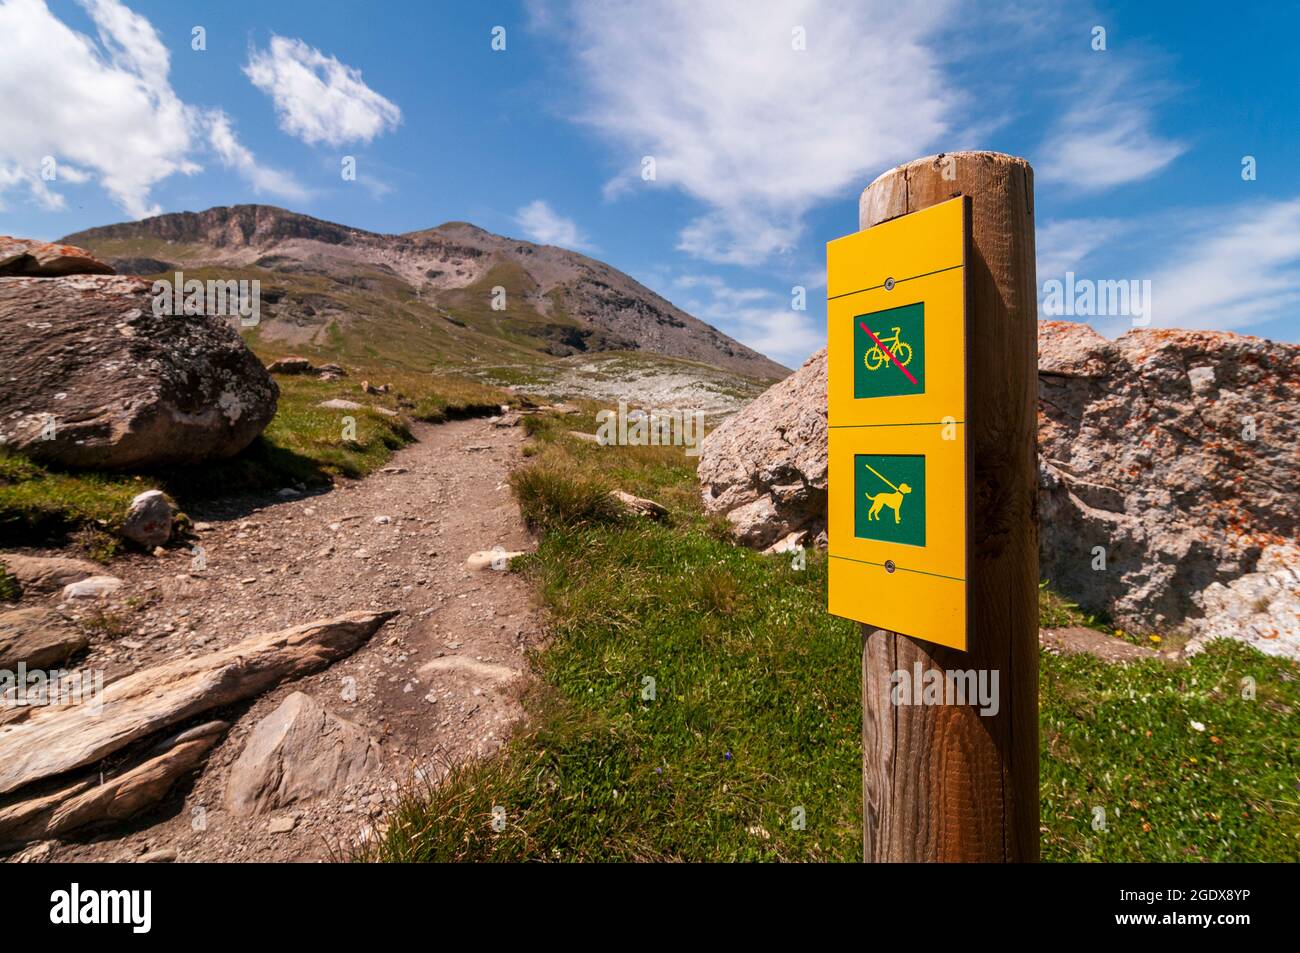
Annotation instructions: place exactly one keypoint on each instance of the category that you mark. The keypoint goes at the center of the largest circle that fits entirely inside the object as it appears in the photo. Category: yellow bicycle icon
(875, 358)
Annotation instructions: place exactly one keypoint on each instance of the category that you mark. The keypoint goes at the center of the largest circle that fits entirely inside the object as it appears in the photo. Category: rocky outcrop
(93, 378)
(45, 574)
(1170, 455)
(35, 638)
(1166, 456)
(300, 365)
(765, 467)
(1260, 608)
(298, 752)
(55, 739)
(29, 258)
(116, 797)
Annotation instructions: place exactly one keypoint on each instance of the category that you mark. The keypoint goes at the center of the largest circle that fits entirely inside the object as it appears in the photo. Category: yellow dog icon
(893, 500)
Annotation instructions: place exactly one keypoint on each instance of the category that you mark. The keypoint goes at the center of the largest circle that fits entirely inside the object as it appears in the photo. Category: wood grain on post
(942, 782)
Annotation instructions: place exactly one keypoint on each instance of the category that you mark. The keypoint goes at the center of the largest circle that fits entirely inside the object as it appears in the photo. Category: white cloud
(542, 224)
(756, 130)
(319, 99)
(104, 111)
(1105, 139)
(1066, 244)
(1236, 267)
(758, 317)
(235, 156)
(1209, 268)
(760, 133)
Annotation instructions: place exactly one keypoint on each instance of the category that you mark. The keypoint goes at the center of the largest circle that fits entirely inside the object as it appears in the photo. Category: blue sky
(761, 147)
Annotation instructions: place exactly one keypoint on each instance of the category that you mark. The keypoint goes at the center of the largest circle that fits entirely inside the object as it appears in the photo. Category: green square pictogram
(889, 498)
(900, 333)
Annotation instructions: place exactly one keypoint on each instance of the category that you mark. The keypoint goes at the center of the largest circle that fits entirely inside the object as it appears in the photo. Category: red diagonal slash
(887, 352)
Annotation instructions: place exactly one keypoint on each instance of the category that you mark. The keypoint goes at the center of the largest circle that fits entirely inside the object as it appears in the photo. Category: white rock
(96, 587)
(297, 752)
(498, 559)
(149, 519)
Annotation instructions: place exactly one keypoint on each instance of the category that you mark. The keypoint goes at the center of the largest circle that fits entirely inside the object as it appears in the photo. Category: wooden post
(943, 783)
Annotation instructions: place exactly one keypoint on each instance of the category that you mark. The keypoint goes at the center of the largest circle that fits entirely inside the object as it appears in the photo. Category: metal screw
(889, 284)
(889, 565)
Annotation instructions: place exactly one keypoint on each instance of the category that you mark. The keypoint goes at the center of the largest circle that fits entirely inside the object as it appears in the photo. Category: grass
(753, 717)
(35, 500)
(1125, 739)
(551, 495)
(740, 731)
(1057, 612)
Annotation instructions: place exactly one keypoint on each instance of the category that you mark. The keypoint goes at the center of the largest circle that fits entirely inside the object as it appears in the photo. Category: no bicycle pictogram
(889, 352)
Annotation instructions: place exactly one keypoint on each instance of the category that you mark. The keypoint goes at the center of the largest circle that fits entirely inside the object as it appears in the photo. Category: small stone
(157, 857)
(96, 587)
(149, 519)
(281, 825)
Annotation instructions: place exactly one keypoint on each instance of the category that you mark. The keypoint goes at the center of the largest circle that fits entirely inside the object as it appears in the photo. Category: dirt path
(437, 684)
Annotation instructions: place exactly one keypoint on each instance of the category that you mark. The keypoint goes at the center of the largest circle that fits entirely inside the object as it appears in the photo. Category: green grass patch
(1125, 739)
(552, 496)
(36, 500)
(754, 721)
(1057, 612)
(757, 709)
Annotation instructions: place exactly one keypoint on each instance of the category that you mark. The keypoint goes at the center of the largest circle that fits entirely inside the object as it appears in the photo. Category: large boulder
(1169, 453)
(765, 467)
(298, 752)
(93, 378)
(24, 256)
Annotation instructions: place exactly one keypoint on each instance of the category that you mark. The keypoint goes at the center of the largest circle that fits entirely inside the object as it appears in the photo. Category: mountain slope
(422, 297)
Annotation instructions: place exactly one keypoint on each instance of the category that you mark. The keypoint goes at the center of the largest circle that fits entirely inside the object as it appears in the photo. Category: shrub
(551, 497)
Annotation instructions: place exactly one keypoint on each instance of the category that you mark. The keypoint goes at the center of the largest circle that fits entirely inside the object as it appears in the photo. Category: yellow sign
(896, 313)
